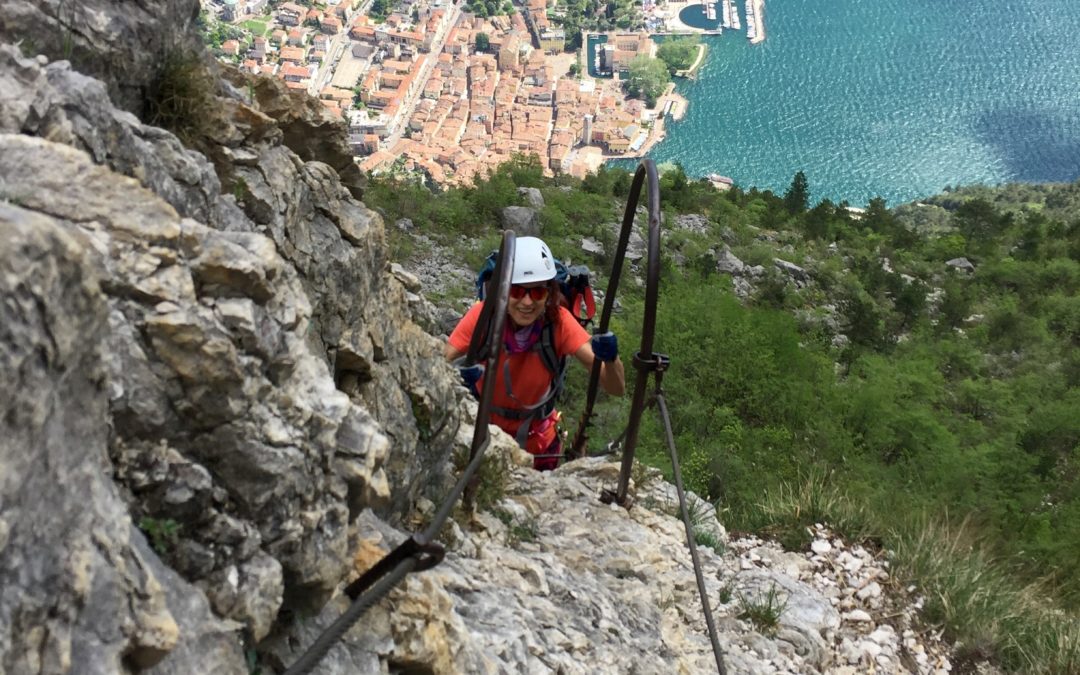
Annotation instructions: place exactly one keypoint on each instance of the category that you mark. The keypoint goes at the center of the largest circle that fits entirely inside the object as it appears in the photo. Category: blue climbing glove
(605, 346)
(471, 375)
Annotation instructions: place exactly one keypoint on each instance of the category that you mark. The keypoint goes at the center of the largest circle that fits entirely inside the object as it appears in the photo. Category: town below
(451, 92)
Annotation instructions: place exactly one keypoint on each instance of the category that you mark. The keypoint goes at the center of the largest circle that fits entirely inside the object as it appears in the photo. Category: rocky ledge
(551, 580)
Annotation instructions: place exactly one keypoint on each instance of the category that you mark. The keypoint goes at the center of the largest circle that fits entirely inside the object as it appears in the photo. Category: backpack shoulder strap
(548, 354)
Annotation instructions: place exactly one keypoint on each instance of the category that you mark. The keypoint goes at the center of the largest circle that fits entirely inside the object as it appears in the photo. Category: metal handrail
(646, 362)
(645, 175)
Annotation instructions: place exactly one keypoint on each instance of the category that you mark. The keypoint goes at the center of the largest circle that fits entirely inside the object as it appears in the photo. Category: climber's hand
(605, 347)
(470, 375)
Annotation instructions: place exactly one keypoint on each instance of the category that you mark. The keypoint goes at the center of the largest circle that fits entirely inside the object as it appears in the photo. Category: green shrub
(164, 533)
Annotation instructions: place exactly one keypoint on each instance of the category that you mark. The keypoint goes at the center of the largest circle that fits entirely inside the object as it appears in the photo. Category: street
(399, 124)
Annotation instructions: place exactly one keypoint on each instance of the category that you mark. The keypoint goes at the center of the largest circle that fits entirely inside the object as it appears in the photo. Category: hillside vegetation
(914, 387)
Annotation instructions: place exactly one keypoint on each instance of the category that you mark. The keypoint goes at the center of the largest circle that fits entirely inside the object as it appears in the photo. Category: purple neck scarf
(520, 340)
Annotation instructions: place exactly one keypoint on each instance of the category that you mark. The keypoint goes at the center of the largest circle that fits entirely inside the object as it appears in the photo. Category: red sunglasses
(537, 293)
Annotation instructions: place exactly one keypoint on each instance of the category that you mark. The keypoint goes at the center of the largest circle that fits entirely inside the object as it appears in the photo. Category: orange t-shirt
(529, 377)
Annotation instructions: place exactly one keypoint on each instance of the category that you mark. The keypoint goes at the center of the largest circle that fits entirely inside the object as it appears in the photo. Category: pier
(755, 20)
(678, 33)
(731, 15)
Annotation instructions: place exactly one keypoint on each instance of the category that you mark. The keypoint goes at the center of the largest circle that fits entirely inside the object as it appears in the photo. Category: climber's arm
(612, 374)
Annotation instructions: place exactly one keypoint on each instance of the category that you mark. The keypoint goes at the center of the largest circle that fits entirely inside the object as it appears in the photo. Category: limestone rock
(635, 247)
(55, 102)
(595, 588)
(728, 263)
(523, 220)
(532, 197)
(307, 127)
(204, 367)
(796, 273)
(77, 587)
(692, 222)
(961, 265)
(591, 246)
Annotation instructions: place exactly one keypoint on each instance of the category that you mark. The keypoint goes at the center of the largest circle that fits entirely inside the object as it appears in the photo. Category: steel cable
(717, 651)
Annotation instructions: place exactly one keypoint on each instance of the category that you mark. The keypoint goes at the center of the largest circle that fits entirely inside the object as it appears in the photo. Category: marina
(711, 17)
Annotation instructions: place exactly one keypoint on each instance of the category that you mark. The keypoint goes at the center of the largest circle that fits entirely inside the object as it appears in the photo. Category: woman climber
(540, 334)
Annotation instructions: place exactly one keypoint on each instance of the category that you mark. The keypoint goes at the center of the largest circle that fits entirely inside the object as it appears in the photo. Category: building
(230, 10)
(291, 14)
(509, 53)
(622, 48)
(291, 73)
(294, 55)
(553, 41)
(331, 25)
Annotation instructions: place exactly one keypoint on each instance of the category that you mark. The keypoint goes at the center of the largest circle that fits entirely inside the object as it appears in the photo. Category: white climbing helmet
(532, 261)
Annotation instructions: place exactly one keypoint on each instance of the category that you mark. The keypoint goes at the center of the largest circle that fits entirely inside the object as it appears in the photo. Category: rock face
(259, 376)
(78, 587)
(307, 127)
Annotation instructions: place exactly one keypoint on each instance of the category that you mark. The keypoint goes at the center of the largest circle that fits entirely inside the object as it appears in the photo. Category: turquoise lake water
(883, 98)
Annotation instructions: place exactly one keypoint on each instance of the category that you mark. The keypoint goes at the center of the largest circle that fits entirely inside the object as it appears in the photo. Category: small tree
(483, 42)
(647, 78)
(797, 198)
(379, 10)
(678, 54)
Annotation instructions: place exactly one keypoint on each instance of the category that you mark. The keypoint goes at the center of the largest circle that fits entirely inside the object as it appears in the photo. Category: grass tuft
(787, 512)
(517, 531)
(764, 611)
(163, 533)
(490, 479)
(725, 594)
(708, 538)
(983, 603)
